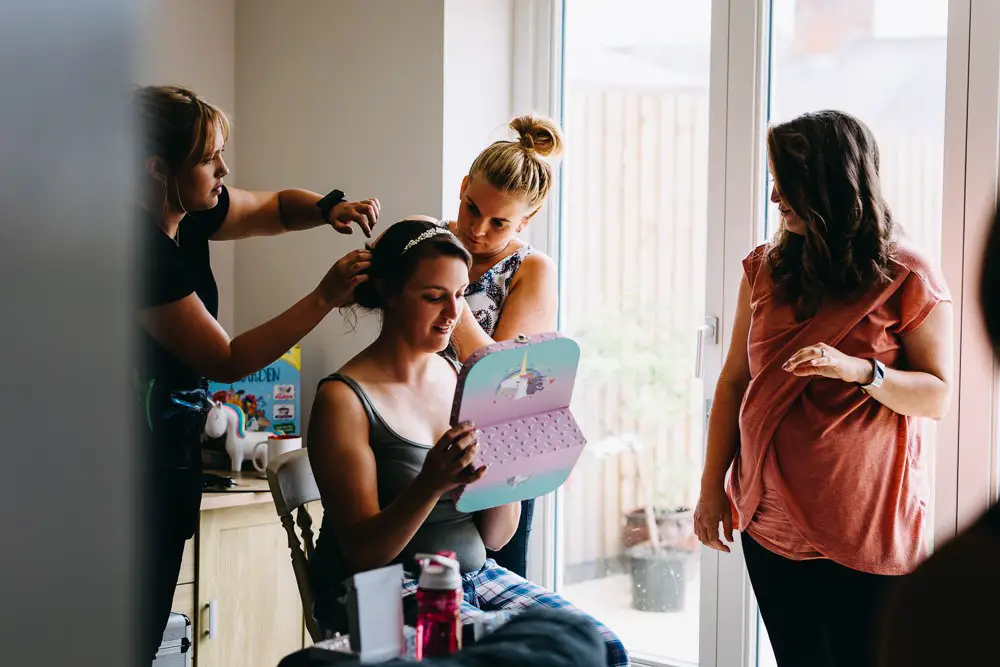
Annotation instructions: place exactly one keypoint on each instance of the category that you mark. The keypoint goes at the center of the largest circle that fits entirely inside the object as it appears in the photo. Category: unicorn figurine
(215, 423)
(229, 418)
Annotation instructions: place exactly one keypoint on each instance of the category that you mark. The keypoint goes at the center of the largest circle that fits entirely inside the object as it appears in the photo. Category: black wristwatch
(327, 203)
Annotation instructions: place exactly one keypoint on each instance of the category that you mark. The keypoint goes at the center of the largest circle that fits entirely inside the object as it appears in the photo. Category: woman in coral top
(842, 341)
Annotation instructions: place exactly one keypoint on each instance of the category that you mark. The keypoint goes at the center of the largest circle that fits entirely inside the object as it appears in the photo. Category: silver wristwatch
(878, 377)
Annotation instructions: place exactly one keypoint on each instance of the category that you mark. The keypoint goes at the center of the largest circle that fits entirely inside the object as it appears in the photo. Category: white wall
(191, 43)
(478, 62)
(386, 98)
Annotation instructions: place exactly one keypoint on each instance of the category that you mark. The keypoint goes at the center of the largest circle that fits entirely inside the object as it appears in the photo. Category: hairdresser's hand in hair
(337, 287)
(364, 213)
(449, 463)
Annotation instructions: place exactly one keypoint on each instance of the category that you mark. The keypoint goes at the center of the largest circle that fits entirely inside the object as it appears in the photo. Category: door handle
(708, 334)
(213, 619)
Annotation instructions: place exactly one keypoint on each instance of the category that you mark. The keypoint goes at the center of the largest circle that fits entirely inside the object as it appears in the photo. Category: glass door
(662, 192)
(633, 235)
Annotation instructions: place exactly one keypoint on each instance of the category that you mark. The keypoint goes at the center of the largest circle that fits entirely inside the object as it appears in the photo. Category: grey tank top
(397, 461)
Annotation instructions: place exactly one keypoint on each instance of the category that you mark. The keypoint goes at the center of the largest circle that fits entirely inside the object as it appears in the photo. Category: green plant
(674, 482)
(642, 357)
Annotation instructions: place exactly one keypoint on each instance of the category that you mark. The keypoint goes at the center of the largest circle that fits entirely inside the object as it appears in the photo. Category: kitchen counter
(251, 489)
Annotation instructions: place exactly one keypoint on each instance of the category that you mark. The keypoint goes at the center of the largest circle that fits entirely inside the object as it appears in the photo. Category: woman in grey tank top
(383, 467)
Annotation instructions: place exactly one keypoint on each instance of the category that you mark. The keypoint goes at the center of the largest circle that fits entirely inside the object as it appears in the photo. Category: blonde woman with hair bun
(513, 288)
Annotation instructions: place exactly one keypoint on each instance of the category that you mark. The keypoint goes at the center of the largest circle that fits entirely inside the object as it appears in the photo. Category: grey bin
(658, 580)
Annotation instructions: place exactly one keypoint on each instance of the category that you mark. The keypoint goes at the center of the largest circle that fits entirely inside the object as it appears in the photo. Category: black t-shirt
(171, 271)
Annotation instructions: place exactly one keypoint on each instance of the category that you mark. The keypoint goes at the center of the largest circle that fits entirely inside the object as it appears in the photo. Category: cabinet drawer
(186, 575)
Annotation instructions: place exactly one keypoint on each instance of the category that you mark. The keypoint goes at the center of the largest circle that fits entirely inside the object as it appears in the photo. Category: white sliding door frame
(726, 600)
(965, 475)
(966, 465)
(537, 82)
(971, 161)
(740, 40)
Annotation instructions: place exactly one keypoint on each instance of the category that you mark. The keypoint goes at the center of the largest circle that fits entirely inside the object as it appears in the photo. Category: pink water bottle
(439, 597)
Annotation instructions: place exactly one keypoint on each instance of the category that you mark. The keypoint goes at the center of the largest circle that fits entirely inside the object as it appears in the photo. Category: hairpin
(430, 233)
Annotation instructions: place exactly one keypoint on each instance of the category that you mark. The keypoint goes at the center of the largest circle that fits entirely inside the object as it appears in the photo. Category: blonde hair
(178, 126)
(523, 168)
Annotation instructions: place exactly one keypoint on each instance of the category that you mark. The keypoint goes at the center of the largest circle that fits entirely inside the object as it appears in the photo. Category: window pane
(633, 253)
(883, 61)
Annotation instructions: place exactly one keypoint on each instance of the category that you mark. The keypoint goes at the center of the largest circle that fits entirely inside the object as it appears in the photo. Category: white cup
(272, 448)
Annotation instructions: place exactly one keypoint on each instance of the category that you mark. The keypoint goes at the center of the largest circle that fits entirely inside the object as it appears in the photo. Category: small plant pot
(659, 581)
(675, 528)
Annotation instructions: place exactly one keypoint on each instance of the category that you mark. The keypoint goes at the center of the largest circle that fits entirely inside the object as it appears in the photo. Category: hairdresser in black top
(184, 205)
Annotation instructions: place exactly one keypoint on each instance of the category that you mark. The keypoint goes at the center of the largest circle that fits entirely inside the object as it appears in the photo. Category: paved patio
(663, 637)
(670, 638)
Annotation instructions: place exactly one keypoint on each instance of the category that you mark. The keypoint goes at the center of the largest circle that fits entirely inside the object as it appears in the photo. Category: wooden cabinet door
(249, 612)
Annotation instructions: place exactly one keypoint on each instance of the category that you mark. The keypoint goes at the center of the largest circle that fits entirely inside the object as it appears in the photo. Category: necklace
(498, 252)
(479, 258)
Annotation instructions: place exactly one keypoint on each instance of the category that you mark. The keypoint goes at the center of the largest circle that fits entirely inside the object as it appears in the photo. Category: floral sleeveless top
(487, 295)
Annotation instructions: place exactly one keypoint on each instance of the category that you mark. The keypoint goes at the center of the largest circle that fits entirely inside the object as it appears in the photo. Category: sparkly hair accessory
(430, 233)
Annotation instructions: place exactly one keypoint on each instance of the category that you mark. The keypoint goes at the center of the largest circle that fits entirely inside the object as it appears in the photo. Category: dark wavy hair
(392, 268)
(989, 285)
(826, 169)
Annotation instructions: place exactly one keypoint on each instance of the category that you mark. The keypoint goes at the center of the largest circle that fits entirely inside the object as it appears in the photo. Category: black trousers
(173, 504)
(170, 424)
(514, 554)
(817, 613)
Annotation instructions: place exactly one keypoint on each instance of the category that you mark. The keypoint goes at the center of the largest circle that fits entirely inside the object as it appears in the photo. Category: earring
(166, 206)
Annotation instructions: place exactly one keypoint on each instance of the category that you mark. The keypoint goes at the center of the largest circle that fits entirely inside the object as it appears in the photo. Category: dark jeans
(817, 613)
(514, 555)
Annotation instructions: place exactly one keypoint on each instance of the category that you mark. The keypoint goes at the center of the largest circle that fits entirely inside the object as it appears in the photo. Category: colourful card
(270, 397)
(518, 393)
